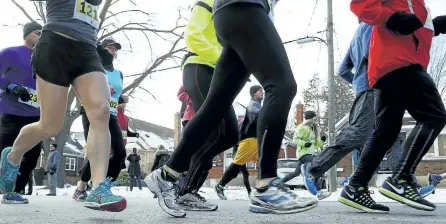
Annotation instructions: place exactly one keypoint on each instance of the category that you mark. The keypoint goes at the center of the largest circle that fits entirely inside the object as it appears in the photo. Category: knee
(287, 89)
(98, 112)
(50, 129)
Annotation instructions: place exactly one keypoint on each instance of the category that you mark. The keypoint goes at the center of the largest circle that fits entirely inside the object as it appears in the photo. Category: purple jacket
(15, 67)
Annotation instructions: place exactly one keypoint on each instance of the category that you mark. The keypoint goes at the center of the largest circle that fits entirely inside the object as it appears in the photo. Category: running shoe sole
(198, 209)
(326, 196)
(355, 205)
(117, 206)
(12, 202)
(154, 188)
(405, 201)
(307, 182)
(263, 210)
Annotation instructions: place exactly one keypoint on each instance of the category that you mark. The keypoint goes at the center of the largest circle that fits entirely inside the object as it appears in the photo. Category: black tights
(117, 147)
(251, 45)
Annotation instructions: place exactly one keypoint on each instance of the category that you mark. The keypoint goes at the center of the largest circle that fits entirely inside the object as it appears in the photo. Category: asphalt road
(57, 210)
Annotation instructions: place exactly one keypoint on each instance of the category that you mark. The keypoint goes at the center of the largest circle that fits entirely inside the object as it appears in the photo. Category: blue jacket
(357, 58)
(53, 160)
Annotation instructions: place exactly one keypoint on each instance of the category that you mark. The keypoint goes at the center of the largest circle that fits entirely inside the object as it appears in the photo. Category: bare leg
(53, 103)
(93, 92)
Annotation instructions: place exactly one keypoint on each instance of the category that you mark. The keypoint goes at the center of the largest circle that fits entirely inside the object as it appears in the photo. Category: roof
(73, 146)
(150, 135)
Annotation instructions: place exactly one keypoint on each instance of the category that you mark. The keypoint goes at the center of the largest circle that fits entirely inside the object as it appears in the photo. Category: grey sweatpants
(354, 136)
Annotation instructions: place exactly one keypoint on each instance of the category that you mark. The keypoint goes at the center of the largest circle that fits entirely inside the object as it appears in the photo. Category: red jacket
(389, 51)
(123, 124)
(183, 97)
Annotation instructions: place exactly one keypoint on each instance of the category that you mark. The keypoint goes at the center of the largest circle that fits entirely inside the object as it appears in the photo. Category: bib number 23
(86, 13)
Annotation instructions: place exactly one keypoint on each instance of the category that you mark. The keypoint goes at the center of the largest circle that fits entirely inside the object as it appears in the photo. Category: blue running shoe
(8, 173)
(426, 191)
(14, 198)
(101, 198)
(278, 199)
(309, 181)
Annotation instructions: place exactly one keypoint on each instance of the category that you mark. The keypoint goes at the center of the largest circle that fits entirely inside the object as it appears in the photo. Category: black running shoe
(360, 198)
(406, 192)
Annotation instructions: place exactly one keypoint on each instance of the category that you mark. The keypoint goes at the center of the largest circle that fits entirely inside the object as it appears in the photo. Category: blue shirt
(357, 58)
(15, 68)
(115, 81)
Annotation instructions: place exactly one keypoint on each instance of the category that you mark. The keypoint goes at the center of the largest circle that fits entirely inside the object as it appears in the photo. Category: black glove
(403, 23)
(53, 170)
(323, 138)
(19, 91)
(94, 2)
(439, 25)
(137, 135)
(106, 57)
(46, 173)
(308, 144)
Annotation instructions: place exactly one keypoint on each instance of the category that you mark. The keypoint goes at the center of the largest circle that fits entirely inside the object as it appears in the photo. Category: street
(59, 209)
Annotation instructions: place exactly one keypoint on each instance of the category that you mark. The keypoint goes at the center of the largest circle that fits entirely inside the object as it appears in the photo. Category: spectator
(52, 166)
(134, 169)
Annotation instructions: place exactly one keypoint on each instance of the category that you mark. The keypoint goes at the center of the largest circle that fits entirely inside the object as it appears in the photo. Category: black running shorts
(60, 60)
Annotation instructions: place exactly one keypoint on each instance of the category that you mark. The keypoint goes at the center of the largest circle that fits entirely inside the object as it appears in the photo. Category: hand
(106, 57)
(324, 138)
(94, 2)
(53, 170)
(19, 91)
(403, 23)
(45, 173)
(308, 144)
(123, 99)
(439, 25)
(137, 135)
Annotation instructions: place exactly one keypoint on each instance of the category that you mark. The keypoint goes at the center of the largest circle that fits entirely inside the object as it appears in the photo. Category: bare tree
(437, 66)
(111, 15)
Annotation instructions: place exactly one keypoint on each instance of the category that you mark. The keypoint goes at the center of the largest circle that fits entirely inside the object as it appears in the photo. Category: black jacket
(249, 124)
(134, 166)
(161, 158)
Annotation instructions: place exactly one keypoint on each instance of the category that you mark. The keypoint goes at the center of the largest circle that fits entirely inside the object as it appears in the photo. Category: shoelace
(279, 185)
(12, 173)
(201, 198)
(368, 194)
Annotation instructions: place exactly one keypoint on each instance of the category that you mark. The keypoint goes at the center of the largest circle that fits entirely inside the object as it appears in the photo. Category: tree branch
(141, 27)
(156, 63)
(103, 13)
(23, 10)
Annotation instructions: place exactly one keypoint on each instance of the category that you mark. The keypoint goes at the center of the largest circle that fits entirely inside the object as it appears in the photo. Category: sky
(293, 19)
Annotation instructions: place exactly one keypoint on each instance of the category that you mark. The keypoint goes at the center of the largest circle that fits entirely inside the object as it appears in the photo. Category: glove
(19, 91)
(403, 23)
(53, 170)
(94, 2)
(323, 138)
(106, 57)
(439, 25)
(137, 135)
(308, 144)
(46, 173)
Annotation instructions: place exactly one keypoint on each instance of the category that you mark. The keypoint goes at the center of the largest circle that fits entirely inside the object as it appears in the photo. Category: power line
(311, 17)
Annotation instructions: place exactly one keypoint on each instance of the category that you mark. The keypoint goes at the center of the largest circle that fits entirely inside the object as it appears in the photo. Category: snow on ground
(232, 193)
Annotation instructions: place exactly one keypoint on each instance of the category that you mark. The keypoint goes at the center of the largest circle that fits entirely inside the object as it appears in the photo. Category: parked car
(286, 166)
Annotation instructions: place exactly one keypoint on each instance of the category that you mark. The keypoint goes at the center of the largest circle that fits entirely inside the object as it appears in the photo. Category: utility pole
(332, 173)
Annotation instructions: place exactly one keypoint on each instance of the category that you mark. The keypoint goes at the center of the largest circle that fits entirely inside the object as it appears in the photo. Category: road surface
(60, 209)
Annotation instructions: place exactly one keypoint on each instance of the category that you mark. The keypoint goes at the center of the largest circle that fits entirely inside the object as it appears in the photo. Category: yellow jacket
(200, 36)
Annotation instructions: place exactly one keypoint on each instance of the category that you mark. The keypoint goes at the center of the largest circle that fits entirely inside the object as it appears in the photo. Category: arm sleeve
(56, 160)
(128, 158)
(345, 70)
(195, 38)
(371, 11)
(4, 67)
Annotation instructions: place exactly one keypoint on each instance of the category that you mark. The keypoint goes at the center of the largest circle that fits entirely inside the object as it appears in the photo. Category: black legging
(305, 159)
(196, 81)
(10, 126)
(232, 172)
(117, 147)
(251, 45)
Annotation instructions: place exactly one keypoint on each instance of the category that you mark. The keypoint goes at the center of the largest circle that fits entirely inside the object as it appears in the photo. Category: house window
(70, 164)
(228, 155)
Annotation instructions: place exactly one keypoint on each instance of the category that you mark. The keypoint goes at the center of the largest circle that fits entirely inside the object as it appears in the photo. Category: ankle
(13, 160)
(264, 182)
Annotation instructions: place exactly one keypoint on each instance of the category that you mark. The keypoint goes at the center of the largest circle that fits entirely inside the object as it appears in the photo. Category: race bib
(34, 101)
(124, 134)
(86, 12)
(113, 105)
(429, 23)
